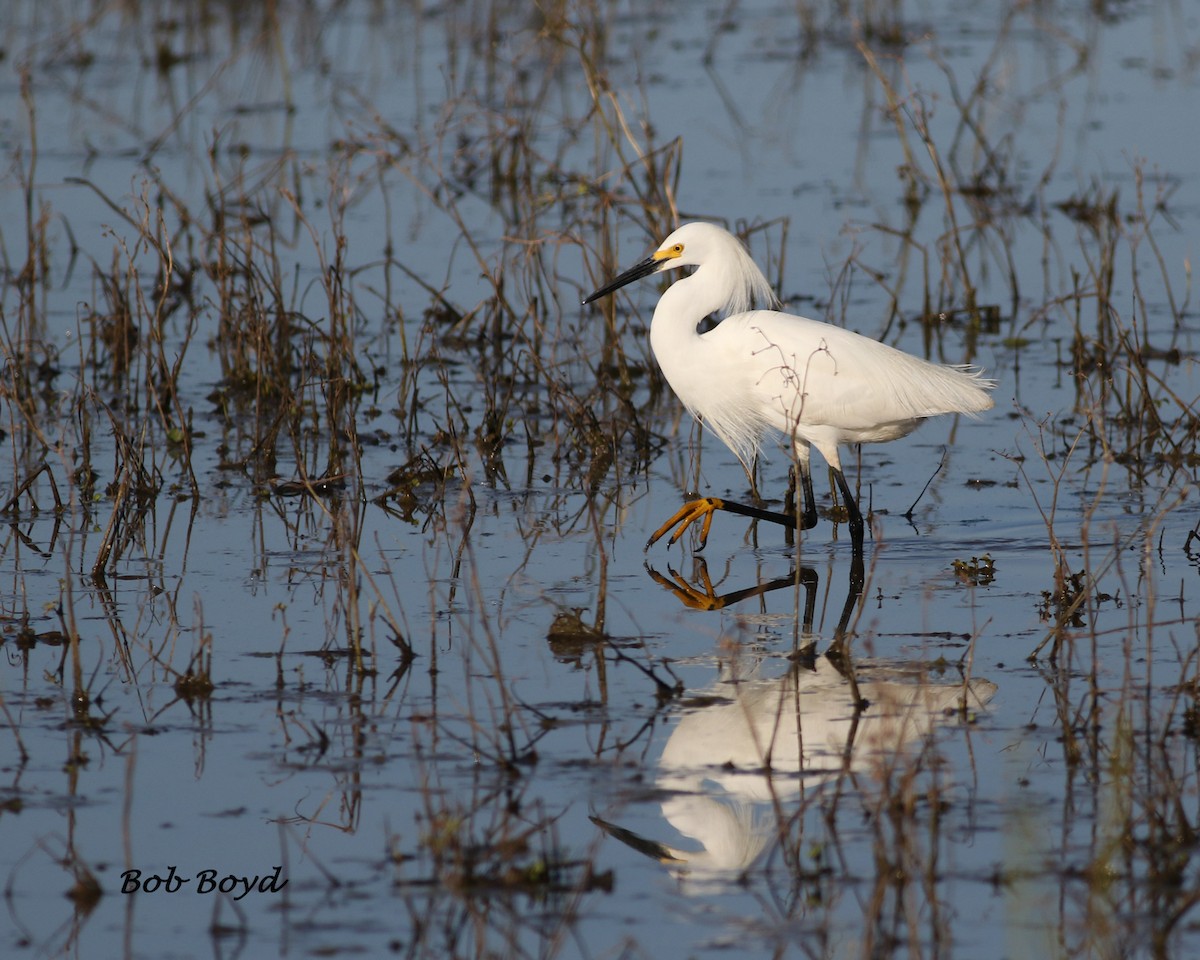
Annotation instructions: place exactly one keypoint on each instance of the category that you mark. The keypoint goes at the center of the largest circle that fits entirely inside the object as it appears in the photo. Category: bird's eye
(677, 249)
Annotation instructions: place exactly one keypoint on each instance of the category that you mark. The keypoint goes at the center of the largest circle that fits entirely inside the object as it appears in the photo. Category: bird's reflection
(700, 594)
(756, 743)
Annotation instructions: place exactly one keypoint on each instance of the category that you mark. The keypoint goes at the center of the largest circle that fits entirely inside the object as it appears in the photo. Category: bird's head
(721, 261)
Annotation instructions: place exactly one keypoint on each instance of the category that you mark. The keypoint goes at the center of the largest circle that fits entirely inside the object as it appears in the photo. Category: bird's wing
(808, 372)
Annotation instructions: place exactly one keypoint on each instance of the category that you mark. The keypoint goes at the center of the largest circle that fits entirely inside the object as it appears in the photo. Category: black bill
(644, 269)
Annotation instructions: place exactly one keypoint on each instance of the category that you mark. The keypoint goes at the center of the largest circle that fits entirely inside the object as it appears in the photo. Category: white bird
(817, 384)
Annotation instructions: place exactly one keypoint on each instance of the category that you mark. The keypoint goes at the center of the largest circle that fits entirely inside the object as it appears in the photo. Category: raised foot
(684, 517)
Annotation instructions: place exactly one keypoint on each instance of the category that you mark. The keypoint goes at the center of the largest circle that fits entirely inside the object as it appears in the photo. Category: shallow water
(380, 224)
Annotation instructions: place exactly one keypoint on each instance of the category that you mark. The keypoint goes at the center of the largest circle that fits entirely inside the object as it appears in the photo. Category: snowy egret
(817, 384)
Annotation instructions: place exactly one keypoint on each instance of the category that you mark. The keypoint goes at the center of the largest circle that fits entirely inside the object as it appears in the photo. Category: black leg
(856, 520)
(789, 506)
(809, 519)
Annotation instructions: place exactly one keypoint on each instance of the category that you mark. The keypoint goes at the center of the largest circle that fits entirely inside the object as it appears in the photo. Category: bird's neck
(674, 336)
(688, 301)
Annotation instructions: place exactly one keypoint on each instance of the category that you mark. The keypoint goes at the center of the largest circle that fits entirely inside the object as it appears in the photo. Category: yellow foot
(685, 516)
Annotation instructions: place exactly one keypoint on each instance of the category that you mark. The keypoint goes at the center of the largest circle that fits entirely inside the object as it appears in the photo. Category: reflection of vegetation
(511, 857)
(1064, 604)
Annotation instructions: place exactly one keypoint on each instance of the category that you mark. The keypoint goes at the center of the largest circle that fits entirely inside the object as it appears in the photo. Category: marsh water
(328, 626)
